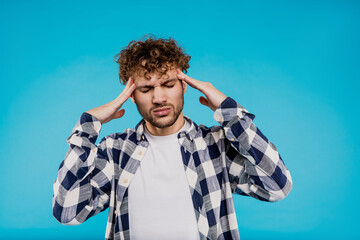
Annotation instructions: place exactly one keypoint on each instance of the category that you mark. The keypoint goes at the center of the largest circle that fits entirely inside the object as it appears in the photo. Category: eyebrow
(165, 82)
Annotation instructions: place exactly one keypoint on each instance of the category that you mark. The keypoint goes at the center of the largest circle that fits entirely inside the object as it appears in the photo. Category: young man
(168, 178)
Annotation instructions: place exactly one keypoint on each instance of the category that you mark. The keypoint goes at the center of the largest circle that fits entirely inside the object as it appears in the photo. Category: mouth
(162, 111)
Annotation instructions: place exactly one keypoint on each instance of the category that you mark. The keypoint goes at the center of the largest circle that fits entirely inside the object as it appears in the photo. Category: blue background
(294, 64)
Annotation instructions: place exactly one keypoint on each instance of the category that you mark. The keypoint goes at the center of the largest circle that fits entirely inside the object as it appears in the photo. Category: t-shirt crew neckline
(167, 138)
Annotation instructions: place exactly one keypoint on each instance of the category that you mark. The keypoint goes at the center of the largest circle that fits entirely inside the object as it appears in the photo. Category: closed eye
(145, 90)
(168, 84)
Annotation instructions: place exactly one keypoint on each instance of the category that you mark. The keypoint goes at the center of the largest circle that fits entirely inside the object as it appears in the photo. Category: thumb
(119, 114)
(204, 101)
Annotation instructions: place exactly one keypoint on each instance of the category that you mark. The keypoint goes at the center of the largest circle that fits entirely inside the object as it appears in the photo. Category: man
(168, 178)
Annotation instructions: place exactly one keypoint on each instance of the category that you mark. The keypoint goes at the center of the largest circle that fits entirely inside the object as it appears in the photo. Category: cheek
(176, 93)
(143, 100)
(139, 96)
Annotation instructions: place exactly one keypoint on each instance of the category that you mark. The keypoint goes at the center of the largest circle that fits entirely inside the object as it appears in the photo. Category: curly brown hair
(150, 55)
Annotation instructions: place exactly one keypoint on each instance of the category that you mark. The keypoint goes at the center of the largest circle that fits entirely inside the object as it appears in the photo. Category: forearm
(254, 161)
(78, 193)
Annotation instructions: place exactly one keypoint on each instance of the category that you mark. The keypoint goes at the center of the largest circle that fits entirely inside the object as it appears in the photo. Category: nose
(158, 95)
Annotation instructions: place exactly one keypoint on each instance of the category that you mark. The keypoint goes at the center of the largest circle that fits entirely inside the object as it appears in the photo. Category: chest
(201, 166)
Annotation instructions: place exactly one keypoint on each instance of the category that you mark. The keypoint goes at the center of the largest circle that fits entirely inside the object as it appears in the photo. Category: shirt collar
(190, 133)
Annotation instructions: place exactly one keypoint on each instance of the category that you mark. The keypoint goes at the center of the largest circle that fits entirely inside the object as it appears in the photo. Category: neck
(168, 130)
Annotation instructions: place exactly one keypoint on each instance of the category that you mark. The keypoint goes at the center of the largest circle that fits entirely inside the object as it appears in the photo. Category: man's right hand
(110, 111)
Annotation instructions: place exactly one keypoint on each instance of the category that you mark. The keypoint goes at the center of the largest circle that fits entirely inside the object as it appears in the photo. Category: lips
(162, 111)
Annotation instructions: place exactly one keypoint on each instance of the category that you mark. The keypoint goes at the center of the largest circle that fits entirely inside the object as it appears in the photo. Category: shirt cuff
(228, 109)
(89, 124)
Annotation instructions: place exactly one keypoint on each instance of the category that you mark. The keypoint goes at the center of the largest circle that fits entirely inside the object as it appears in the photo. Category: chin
(164, 122)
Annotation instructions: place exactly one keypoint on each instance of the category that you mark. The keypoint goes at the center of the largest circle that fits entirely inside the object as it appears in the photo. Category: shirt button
(125, 180)
(140, 152)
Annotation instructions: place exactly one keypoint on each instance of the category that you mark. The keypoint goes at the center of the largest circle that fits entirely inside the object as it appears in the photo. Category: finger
(125, 94)
(204, 101)
(119, 114)
(179, 71)
(181, 75)
(130, 91)
(192, 82)
(128, 84)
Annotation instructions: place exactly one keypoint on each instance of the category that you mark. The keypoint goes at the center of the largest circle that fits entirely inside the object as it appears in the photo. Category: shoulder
(118, 139)
(214, 132)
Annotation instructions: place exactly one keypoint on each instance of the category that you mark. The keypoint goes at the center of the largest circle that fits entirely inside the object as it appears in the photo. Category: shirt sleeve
(83, 185)
(255, 167)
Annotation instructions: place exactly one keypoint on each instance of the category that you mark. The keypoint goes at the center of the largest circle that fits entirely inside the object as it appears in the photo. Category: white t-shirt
(160, 204)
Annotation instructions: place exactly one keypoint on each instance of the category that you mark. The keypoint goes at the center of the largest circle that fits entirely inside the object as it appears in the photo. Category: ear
(132, 98)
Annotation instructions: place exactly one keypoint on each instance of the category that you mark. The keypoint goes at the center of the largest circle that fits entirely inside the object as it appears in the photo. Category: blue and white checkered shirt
(234, 157)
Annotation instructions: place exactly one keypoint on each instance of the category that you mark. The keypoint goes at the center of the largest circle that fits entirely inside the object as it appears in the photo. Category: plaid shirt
(234, 157)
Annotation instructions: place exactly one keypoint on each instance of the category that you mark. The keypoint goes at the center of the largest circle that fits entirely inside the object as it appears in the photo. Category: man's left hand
(213, 97)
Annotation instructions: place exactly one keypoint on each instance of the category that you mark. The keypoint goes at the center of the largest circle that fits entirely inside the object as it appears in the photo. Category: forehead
(155, 78)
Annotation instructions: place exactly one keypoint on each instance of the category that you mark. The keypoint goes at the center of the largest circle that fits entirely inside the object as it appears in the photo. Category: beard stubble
(158, 122)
